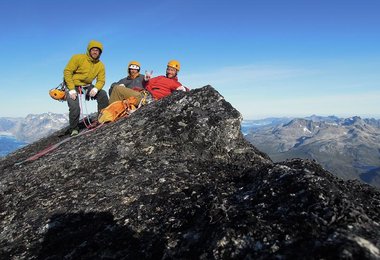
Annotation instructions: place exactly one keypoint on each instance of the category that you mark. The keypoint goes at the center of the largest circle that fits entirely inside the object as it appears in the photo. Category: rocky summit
(177, 180)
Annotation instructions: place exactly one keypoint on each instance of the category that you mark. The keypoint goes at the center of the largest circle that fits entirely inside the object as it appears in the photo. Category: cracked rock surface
(177, 180)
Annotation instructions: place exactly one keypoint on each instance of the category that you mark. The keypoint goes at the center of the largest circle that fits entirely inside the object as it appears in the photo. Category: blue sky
(266, 57)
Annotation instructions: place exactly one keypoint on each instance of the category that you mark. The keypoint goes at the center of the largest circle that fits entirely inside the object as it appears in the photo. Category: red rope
(55, 146)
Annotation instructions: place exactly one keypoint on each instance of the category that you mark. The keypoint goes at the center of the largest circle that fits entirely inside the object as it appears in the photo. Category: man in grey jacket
(134, 81)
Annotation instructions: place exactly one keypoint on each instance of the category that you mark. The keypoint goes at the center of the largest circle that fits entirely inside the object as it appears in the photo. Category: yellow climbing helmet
(58, 93)
(174, 64)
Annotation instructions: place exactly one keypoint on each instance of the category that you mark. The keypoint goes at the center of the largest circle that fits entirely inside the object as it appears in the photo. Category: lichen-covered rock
(177, 180)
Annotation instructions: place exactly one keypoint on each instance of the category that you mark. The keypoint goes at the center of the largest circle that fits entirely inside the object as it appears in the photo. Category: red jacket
(162, 86)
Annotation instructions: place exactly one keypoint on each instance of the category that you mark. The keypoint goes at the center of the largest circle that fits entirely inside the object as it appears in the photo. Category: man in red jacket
(163, 86)
(157, 87)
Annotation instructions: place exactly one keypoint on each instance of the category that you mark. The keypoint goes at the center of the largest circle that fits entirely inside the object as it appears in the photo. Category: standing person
(158, 87)
(79, 73)
(134, 81)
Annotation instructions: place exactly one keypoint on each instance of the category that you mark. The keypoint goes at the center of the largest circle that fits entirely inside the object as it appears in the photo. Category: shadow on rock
(94, 235)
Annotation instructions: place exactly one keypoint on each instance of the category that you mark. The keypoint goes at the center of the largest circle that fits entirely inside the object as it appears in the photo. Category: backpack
(117, 110)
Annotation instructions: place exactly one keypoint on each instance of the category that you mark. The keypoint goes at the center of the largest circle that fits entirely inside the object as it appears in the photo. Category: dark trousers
(74, 107)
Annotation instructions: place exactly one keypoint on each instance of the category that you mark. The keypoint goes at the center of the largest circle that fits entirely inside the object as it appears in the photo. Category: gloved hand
(182, 88)
(93, 92)
(73, 94)
(148, 75)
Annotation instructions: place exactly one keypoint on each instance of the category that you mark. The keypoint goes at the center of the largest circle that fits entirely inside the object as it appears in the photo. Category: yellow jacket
(82, 69)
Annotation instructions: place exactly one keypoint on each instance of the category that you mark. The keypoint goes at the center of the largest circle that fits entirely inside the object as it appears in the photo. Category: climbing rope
(88, 124)
(55, 146)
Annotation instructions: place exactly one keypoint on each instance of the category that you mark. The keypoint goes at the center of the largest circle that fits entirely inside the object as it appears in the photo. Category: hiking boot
(74, 132)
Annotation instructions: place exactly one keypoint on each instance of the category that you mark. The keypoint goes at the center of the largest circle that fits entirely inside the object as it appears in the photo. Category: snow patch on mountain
(306, 130)
(34, 126)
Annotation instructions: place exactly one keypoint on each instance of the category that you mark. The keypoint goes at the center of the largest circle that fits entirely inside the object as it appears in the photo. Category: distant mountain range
(17, 132)
(32, 127)
(348, 147)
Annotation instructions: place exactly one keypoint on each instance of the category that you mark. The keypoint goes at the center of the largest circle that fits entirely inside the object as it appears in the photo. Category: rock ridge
(177, 180)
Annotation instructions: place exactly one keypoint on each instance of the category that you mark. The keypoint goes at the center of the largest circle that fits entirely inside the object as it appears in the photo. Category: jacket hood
(94, 44)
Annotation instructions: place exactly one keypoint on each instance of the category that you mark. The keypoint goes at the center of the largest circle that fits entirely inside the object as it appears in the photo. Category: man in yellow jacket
(79, 74)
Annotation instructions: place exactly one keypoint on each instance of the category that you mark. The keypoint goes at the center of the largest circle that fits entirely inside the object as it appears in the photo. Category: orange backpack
(117, 110)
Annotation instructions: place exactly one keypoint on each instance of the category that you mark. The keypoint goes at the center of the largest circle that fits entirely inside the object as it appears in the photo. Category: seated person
(157, 87)
(134, 81)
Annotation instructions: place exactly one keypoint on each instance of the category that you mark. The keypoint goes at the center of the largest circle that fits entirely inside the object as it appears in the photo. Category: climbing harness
(146, 99)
